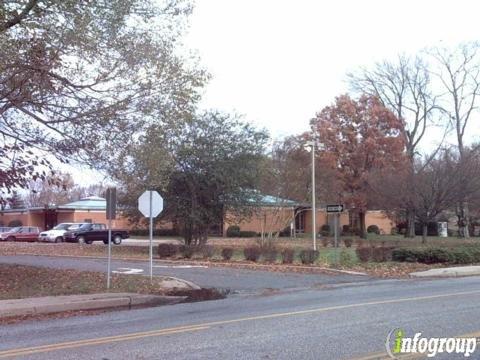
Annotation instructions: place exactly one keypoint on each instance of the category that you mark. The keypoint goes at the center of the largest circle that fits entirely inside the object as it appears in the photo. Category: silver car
(55, 234)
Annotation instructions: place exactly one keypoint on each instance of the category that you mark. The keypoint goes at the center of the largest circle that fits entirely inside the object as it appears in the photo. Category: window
(88, 221)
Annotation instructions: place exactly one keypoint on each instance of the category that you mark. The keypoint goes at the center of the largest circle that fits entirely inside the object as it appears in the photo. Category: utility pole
(311, 146)
(314, 209)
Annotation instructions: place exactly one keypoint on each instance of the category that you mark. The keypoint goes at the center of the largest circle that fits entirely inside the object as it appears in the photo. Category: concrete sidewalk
(54, 304)
(449, 272)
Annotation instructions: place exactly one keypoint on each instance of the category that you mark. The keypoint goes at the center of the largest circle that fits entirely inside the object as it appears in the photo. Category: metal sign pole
(336, 237)
(314, 210)
(109, 242)
(151, 237)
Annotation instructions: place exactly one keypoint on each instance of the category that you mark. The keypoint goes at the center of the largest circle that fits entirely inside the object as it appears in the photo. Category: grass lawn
(342, 258)
(389, 240)
(18, 248)
(20, 281)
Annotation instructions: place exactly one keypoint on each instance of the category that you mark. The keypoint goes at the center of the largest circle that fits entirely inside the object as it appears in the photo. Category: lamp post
(310, 146)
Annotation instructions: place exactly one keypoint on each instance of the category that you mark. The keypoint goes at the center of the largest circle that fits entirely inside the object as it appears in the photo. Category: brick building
(271, 214)
(89, 209)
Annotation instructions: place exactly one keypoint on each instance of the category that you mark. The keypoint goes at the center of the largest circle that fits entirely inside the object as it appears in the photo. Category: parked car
(21, 233)
(56, 234)
(88, 233)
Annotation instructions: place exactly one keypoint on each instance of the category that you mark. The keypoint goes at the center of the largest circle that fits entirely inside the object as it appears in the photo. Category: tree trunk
(363, 230)
(424, 232)
(187, 233)
(463, 220)
(410, 231)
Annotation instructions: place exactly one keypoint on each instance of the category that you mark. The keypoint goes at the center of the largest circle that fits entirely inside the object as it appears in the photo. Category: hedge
(233, 231)
(252, 253)
(309, 256)
(374, 253)
(168, 250)
(156, 232)
(373, 229)
(247, 234)
(458, 255)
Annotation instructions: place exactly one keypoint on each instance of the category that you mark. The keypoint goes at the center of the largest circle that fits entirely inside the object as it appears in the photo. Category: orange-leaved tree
(356, 138)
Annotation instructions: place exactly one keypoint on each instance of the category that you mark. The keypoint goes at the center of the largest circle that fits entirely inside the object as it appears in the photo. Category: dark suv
(88, 233)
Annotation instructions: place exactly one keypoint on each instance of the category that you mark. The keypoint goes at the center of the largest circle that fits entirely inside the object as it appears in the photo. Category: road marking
(382, 355)
(194, 327)
(127, 271)
(180, 266)
(99, 341)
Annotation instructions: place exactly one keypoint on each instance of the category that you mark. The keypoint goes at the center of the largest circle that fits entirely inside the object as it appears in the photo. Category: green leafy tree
(78, 78)
(205, 167)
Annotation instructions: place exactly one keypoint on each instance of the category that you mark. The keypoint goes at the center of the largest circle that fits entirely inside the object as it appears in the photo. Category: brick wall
(267, 218)
(5, 218)
(378, 218)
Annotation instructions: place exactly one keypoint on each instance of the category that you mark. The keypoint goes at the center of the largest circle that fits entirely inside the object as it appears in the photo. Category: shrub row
(234, 231)
(326, 241)
(253, 253)
(206, 251)
(156, 232)
(458, 255)
(309, 256)
(374, 253)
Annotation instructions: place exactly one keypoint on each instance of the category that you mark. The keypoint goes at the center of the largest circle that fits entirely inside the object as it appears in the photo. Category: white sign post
(150, 204)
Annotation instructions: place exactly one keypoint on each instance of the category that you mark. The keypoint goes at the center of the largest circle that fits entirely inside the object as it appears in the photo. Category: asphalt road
(336, 323)
(236, 280)
(340, 321)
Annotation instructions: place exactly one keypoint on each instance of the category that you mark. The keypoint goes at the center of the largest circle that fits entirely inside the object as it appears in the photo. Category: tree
(78, 78)
(285, 170)
(78, 192)
(287, 175)
(284, 176)
(458, 72)
(54, 190)
(404, 87)
(16, 201)
(358, 137)
(440, 182)
(205, 167)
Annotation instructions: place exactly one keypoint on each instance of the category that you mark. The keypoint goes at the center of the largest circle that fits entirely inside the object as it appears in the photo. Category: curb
(102, 301)
(214, 264)
(459, 271)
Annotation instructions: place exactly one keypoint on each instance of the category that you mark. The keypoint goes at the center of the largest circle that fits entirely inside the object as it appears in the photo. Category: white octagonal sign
(150, 201)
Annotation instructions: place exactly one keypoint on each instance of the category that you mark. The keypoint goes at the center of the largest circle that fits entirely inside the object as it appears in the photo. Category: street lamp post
(314, 209)
(311, 145)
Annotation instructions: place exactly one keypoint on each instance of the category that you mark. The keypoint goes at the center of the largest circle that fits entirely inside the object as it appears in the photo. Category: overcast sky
(278, 62)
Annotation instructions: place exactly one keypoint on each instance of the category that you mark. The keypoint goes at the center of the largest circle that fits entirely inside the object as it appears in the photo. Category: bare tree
(404, 87)
(53, 190)
(441, 181)
(458, 71)
(285, 175)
